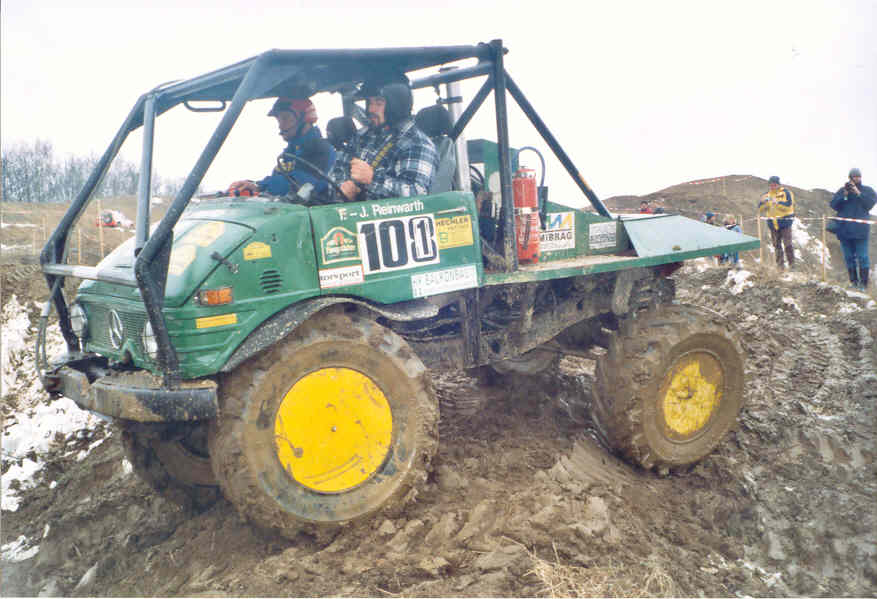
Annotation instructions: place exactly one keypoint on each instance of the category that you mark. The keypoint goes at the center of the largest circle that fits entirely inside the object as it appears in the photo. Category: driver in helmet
(296, 118)
(390, 157)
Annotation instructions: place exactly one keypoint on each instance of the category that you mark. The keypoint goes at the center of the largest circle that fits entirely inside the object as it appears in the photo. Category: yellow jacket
(779, 207)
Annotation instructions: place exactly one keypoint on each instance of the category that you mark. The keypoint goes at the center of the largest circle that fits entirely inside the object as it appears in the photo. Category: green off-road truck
(277, 350)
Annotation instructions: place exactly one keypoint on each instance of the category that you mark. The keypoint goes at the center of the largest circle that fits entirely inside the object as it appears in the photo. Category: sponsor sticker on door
(341, 276)
(454, 231)
(602, 235)
(338, 245)
(443, 281)
(559, 233)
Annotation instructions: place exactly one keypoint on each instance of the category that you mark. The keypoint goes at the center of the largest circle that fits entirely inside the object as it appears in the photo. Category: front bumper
(135, 395)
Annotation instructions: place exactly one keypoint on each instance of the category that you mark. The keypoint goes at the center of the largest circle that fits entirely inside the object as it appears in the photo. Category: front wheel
(670, 386)
(174, 462)
(335, 423)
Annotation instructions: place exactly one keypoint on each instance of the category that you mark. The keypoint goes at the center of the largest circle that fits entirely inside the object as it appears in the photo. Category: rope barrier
(852, 220)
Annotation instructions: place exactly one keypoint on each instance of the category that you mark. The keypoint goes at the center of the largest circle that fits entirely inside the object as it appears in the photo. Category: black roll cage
(270, 74)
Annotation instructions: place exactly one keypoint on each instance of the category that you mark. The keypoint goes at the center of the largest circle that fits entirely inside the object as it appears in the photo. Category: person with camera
(778, 204)
(854, 201)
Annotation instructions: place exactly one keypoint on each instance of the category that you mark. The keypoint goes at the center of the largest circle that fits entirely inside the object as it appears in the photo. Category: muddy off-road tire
(670, 387)
(335, 423)
(178, 469)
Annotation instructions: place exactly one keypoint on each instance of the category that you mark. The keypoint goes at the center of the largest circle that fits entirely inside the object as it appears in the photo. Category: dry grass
(561, 580)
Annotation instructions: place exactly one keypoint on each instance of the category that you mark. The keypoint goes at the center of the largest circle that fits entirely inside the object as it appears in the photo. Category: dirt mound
(522, 499)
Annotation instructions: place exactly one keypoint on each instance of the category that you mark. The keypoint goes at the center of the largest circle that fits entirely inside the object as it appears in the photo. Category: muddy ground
(523, 500)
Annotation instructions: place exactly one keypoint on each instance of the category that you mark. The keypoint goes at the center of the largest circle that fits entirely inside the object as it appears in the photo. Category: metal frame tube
(453, 74)
(53, 251)
(540, 126)
(473, 107)
(151, 265)
(505, 164)
(453, 89)
(145, 183)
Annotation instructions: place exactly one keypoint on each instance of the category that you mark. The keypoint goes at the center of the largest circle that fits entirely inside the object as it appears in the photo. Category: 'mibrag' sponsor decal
(559, 234)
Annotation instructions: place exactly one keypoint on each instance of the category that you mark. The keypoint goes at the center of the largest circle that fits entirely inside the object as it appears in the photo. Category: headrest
(340, 130)
(434, 120)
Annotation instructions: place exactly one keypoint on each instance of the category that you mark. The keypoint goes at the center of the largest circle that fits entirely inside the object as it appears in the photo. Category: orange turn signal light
(215, 297)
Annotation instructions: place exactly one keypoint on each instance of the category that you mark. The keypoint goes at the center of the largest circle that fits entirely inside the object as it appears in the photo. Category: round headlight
(78, 320)
(150, 345)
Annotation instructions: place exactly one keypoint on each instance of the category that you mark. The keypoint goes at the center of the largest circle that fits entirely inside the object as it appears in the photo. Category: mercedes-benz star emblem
(117, 330)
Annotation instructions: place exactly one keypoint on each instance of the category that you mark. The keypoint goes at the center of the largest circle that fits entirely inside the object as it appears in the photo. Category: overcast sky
(642, 95)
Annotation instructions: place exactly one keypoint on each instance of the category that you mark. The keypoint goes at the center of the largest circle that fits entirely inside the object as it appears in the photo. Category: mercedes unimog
(278, 350)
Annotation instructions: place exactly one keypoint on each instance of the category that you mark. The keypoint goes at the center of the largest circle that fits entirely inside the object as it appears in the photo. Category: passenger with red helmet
(296, 118)
(390, 157)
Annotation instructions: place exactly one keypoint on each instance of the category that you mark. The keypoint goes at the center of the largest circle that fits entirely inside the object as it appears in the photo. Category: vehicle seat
(436, 122)
(340, 131)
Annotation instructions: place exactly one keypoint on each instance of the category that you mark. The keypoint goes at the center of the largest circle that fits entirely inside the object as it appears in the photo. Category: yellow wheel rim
(691, 393)
(333, 429)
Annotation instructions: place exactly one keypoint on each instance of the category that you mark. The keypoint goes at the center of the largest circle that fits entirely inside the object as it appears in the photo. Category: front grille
(99, 326)
(271, 281)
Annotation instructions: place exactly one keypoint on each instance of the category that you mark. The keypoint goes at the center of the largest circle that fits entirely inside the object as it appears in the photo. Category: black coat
(850, 205)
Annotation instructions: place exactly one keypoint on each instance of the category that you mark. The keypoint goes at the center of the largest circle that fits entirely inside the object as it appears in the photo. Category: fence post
(100, 228)
(741, 222)
(824, 248)
(760, 242)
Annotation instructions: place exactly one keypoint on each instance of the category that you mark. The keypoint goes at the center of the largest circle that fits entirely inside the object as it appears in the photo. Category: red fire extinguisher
(526, 215)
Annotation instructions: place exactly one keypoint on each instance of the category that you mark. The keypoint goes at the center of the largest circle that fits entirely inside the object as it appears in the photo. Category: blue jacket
(849, 205)
(277, 184)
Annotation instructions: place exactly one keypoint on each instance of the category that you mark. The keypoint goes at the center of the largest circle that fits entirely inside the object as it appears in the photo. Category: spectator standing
(731, 225)
(778, 205)
(644, 207)
(855, 201)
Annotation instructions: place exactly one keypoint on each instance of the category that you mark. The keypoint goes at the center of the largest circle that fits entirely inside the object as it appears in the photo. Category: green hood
(196, 238)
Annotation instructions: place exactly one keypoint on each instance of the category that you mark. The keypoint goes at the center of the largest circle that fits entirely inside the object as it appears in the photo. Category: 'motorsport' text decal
(397, 243)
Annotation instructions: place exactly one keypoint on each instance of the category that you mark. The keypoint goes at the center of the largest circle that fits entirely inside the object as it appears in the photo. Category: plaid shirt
(406, 169)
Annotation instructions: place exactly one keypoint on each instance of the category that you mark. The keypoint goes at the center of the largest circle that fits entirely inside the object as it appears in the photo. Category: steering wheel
(315, 170)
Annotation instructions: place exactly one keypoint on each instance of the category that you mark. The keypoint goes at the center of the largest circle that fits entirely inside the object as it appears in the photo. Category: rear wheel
(670, 386)
(335, 423)
(174, 462)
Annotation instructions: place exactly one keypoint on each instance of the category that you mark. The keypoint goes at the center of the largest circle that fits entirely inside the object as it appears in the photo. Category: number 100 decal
(397, 243)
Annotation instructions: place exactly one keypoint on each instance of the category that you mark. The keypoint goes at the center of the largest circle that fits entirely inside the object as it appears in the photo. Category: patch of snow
(702, 264)
(30, 431)
(848, 308)
(23, 473)
(790, 301)
(17, 550)
(4, 225)
(738, 280)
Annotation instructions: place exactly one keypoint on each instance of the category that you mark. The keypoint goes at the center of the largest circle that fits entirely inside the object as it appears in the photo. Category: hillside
(739, 195)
